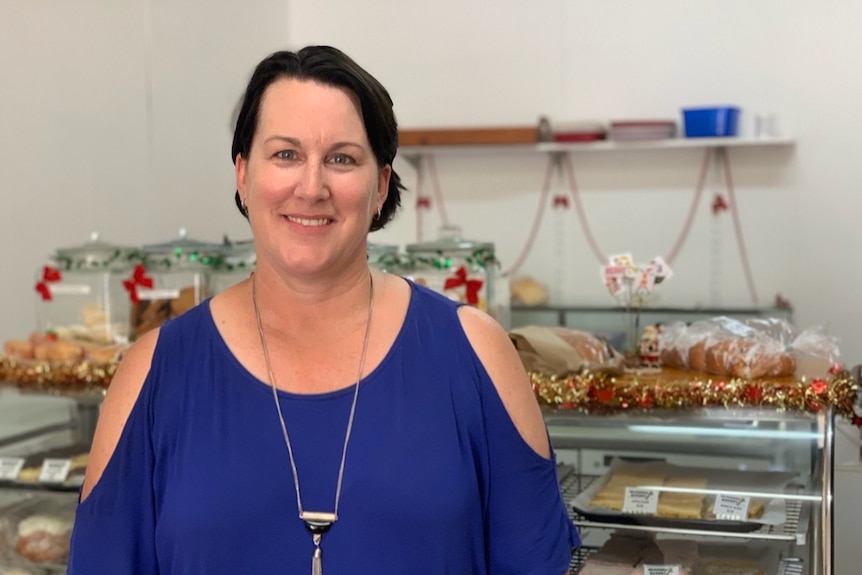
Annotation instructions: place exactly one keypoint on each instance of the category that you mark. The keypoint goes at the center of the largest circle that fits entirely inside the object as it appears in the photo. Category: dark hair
(330, 66)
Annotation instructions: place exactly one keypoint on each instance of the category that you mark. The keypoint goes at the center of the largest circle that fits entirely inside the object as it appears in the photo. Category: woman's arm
(121, 397)
(501, 361)
(528, 529)
(114, 530)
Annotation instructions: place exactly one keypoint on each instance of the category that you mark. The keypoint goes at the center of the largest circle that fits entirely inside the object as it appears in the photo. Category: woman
(320, 414)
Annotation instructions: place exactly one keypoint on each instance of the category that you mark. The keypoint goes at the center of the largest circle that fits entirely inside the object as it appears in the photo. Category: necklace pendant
(316, 565)
(317, 522)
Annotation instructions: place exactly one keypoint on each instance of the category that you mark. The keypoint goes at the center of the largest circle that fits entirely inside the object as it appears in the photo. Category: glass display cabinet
(709, 491)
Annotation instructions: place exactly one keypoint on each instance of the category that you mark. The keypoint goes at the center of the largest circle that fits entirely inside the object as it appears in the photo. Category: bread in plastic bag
(748, 349)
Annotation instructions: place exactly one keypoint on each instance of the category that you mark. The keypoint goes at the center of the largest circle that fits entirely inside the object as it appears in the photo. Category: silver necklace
(316, 522)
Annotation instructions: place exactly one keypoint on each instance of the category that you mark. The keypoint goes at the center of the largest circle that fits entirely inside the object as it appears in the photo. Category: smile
(315, 222)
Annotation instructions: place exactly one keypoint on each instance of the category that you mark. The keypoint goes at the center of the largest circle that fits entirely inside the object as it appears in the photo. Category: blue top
(437, 478)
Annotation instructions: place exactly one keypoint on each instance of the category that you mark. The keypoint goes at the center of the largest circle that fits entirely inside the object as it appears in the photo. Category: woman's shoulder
(501, 362)
(121, 397)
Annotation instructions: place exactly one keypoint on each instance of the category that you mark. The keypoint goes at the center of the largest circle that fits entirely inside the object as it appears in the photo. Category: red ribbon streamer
(423, 202)
(719, 205)
(561, 202)
(139, 277)
(49, 275)
(460, 279)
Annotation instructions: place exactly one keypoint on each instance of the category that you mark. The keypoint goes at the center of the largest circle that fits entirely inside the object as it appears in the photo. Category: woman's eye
(285, 155)
(342, 159)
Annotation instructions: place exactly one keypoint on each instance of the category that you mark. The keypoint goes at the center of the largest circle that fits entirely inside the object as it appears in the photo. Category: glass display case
(710, 491)
(236, 264)
(44, 442)
(174, 277)
(81, 296)
(463, 270)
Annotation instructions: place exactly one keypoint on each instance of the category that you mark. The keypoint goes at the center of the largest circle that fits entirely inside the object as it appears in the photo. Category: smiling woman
(320, 412)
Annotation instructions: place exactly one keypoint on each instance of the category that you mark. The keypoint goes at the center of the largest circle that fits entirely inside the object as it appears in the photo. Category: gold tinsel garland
(595, 392)
(84, 377)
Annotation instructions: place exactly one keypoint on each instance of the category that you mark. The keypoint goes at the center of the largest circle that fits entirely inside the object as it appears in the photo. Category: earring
(379, 209)
(244, 207)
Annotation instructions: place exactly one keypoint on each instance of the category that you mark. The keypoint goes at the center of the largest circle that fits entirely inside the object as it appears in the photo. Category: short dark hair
(330, 66)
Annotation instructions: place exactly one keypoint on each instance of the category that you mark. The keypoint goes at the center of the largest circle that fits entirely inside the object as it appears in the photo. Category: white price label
(640, 501)
(69, 289)
(151, 294)
(10, 467)
(55, 470)
(731, 507)
(661, 570)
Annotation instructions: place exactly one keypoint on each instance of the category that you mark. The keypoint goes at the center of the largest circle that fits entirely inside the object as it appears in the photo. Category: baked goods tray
(28, 477)
(767, 486)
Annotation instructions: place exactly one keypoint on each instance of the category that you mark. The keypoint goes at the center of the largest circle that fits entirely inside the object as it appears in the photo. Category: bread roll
(44, 538)
(18, 349)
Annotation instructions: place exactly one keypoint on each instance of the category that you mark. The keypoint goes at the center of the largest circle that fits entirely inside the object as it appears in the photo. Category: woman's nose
(312, 183)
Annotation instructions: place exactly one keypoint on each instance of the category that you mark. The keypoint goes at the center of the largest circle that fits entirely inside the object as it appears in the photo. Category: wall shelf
(414, 153)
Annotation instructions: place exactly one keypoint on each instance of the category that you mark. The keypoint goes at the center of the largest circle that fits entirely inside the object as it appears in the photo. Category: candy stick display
(631, 284)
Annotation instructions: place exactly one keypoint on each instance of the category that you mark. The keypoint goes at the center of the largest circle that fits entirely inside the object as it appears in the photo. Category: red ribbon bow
(139, 277)
(49, 275)
(719, 205)
(423, 202)
(460, 279)
(561, 202)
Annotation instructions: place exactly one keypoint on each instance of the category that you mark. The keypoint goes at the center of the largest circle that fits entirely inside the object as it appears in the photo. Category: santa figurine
(648, 347)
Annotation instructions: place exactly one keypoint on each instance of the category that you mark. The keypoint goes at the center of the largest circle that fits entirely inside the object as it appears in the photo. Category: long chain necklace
(316, 522)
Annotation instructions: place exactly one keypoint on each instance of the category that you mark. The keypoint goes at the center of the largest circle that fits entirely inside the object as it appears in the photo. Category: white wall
(475, 63)
(115, 117)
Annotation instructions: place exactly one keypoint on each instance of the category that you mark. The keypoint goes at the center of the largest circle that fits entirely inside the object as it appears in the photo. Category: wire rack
(571, 484)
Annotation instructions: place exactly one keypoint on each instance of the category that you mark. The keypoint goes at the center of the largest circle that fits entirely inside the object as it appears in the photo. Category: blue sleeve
(114, 530)
(529, 530)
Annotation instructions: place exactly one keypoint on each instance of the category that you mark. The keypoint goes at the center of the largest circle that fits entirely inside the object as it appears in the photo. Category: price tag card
(10, 467)
(55, 470)
(151, 294)
(731, 507)
(69, 289)
(661, 570)
(640, 501)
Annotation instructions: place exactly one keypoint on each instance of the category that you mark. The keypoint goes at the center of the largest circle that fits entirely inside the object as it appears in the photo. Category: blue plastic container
(710, 122)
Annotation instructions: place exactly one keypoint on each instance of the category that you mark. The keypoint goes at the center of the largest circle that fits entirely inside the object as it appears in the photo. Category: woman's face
(311, 181)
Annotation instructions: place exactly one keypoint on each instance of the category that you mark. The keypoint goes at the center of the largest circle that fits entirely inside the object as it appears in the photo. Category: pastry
(107, 354)
(184, 302)
(697, 356)
(18, 349)
(29, 474)
(681, 505)
(528, 292)
(730, 567)
(64, 351)
(44, 538)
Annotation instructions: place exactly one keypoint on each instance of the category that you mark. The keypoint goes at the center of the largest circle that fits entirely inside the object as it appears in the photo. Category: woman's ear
(383, 184)
(240, 168)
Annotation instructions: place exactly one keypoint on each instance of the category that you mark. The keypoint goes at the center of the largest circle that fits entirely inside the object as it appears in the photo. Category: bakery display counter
(44, 440)
(701, 491)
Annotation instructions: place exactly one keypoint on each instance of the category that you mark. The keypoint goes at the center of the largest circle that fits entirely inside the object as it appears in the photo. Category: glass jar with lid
(463, 270)
(384, 257)
(237, 263)
(173, 278)
(80, 298)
